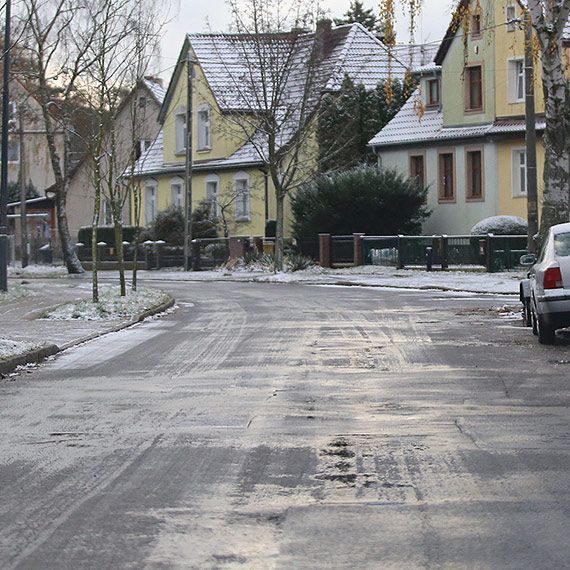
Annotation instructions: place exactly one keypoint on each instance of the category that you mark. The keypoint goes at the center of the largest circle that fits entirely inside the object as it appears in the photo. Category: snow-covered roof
(151, 163)
(156, 89)
(409, 127)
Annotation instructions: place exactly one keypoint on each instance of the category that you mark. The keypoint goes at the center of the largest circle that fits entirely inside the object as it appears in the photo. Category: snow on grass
(9, 348)
(14, 292)
(111, 306)
(36, 271)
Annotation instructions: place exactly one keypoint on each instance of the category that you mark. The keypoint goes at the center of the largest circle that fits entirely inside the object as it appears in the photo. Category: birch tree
(549, 19)
(57, 59)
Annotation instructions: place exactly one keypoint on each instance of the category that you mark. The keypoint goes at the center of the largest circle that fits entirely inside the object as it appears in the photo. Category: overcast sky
(204, 15)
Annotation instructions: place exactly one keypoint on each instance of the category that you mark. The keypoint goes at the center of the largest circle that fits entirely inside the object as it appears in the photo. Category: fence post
(325, 250)
(159, 249)
(489, 260)
(100, 246)
(358, 249)
(148, 253)
(238, 246)
(196, 248)
(444, 252)
(400, 252)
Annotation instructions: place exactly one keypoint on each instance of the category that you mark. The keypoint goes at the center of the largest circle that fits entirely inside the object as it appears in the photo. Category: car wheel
(527, 313)
(546, 333)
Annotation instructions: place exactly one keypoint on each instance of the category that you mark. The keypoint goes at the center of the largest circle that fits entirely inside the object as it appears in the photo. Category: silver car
(546, 293)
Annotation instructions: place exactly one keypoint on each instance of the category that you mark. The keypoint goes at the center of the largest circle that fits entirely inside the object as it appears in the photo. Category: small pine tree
(358, 14)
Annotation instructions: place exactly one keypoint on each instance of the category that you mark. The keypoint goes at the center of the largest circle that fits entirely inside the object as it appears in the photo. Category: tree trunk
(279, 242)
(67, 247)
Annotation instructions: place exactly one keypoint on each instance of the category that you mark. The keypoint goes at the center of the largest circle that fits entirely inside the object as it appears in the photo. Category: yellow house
(230, 167)
(469, 143)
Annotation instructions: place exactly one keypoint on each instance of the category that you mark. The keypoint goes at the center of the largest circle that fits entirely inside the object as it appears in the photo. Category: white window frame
(177, 191)
(150, 200)
(212, 198)
(242, 201)
(203, 127)
(180, 130)
(511, 25)
(519, 185)
(515, 80)
(107, 213)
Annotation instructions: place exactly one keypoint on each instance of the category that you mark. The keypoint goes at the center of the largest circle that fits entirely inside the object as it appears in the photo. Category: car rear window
(562, 244)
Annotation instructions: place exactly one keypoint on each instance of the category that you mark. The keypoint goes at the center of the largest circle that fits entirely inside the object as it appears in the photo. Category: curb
(38, 355)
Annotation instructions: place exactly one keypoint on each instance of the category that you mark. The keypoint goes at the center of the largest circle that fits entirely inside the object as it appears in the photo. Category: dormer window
(474, 88)
(203, 127)
(432, 98)
(476, 26)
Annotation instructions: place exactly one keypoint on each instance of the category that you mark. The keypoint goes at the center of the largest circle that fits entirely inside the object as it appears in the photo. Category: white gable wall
(458, 217)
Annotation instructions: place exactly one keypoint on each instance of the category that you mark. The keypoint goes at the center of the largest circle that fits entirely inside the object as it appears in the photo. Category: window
(562, 244)
(519, 172)
(211, 193)
(476, 26)
(241, 189)
(177, 192)
(149, 201)
(474, 160)
(515, 80)
(203, 126)
(142, 147)
(446, 177)
(417, 169)
(511, 17)
(432, 92)
(107, 213)
(13, 151)
(180, 130)
(474, 86)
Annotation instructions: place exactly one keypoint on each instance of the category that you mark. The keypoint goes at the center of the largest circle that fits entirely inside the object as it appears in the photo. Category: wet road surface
(287, 426)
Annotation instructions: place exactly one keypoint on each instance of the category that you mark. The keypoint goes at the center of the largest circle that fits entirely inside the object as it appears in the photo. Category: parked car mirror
(528, 259)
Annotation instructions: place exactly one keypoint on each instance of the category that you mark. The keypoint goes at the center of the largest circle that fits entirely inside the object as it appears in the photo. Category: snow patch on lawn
(14, 292)
(9, 348)
(110, 306)
(36, 271)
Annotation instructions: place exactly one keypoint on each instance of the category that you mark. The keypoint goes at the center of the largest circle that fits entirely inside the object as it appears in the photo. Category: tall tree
(358, 14)
(277, 92)
(549, 20)
(56, 57)
(349, 119)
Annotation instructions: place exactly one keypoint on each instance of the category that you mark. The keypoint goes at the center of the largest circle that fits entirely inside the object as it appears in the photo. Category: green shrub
(364, 199)
(298, 262)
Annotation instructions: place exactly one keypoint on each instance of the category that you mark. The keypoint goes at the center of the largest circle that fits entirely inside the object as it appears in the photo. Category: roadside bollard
(429, 257)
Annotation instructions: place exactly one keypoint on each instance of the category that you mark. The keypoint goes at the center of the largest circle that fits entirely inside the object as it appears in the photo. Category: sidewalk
(20, 320)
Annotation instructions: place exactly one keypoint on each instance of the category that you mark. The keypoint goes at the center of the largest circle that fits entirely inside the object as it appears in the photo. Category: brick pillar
(258, 245)
(238, 246)
(325, 250)
(358, 249)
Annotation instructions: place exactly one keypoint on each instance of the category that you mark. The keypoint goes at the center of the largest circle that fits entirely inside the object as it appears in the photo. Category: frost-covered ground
(110, 306)
(36, 271)
(14, 292)
(474, 280)
(9, 348)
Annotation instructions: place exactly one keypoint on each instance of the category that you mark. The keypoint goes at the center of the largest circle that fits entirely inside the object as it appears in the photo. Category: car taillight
(553, 278)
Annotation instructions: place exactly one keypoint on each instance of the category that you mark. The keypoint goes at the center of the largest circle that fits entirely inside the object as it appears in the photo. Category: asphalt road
(293, 427)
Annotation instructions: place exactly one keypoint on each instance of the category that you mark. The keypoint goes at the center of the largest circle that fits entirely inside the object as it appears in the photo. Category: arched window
(203, 127)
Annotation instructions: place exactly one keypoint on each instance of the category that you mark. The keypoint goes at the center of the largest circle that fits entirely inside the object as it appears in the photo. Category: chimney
(322, 37)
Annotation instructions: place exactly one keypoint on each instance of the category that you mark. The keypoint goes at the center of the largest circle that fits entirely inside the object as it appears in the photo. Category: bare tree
(58, 60)
(272, 97)
(121, 51)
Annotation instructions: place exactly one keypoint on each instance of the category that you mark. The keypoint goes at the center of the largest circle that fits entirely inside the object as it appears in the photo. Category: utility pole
(530, 137)
(188, 194)
(4, 158)
(23, 206)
